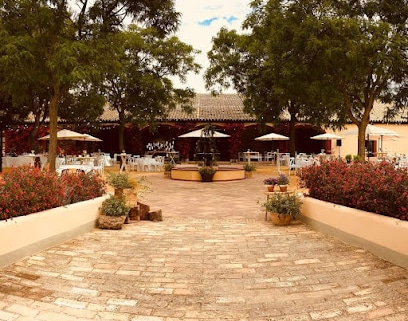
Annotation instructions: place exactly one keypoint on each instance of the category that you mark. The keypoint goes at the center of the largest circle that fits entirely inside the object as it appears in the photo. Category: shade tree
(323, 62)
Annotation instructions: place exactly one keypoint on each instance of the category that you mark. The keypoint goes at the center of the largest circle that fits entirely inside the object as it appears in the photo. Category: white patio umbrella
(327, 136)
(66, 134)
(272, 137)
(201, 133)
(90, 138)
(372, 130)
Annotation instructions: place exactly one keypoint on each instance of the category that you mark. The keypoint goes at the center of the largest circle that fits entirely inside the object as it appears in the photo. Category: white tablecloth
(9, 161)
(85, 168)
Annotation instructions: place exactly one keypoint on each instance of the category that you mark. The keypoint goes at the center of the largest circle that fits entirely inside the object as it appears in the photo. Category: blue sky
(201, 20)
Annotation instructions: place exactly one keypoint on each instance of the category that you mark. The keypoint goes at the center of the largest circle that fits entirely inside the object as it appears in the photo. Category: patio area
(213, 257)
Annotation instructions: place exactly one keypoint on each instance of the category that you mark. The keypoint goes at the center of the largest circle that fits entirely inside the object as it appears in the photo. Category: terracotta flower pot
(270, 188)
(279, 219)
(118, 192)
(283, 188)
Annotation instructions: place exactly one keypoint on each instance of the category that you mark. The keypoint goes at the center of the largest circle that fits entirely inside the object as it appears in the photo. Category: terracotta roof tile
(225, 107)
(229, 107)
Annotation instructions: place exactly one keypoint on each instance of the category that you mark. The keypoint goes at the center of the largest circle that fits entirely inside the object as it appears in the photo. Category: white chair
(100, 167)
(132, 162)
(292, 165)
(160, 161)
(149, 164)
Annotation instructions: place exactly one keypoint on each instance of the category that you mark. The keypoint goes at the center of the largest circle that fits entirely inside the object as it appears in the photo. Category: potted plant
(249, 168)
(270, 183)
(283, 208)
(120, 181)
(167, 169)
(207, 173)
(283, 182)
(348, 158)
(113, 213)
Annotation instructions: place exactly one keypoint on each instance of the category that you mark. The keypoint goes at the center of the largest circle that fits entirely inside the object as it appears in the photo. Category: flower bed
(373, 187)
(364, 204)
(38, 209)
(25, 190)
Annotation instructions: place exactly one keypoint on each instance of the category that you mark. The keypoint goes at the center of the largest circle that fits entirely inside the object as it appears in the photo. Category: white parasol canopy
(66, 134)
(90, 138)
(272, 136)
(201, 133)
(326, 136)
(372, 130)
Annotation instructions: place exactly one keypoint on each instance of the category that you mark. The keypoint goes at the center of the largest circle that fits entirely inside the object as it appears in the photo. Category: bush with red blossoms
(80, 187)
(374, 187)
(26, 190)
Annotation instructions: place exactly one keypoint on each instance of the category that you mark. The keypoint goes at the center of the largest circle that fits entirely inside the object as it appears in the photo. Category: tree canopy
(137, 78)
(323, 62)
(51, 52)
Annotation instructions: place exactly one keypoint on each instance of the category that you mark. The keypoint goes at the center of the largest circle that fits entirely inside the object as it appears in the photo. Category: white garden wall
(384, 236)
(25, 235)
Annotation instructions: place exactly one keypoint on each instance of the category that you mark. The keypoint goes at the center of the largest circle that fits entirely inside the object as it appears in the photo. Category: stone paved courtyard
(214, 257)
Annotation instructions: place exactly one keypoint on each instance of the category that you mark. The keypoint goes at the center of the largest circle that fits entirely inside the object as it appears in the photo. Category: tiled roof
(224, 107)
(229, 107)
(378, 112)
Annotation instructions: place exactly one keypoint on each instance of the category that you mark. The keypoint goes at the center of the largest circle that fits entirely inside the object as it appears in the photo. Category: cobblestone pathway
(212, 258)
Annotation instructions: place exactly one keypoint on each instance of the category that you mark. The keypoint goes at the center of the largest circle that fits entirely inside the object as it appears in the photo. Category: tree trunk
(121, 135)
(53, 113)
(292, 138)
(361, 139)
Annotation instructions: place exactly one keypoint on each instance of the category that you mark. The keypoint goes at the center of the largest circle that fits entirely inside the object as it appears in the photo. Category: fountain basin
(223, 173)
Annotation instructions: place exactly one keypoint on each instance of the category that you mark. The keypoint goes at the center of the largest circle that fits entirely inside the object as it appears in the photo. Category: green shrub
(284, 204)
(114, 206)
(249, 167)
(120, 180)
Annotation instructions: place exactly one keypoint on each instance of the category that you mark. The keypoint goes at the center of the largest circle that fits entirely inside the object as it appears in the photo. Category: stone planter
(35, 232)
(384, 236)
(111, 222)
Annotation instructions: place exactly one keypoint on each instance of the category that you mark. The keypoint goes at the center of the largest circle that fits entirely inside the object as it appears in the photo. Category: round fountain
(189, 172)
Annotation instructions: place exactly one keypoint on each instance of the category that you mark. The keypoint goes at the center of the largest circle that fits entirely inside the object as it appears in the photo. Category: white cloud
(201, 21)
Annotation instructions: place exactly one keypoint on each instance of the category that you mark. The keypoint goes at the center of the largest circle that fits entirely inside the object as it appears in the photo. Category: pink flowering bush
(26, 190)
(374, 187)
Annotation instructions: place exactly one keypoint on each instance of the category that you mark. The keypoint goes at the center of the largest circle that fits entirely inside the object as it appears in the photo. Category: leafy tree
(48, 47)
(269, 67)
(363, 54)
(137, 82)
(324, 62)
